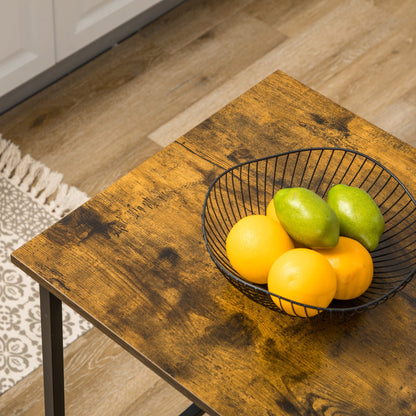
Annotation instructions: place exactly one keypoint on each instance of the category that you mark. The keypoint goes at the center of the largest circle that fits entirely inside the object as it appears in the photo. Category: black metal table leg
(53, 362)
(192, 410)
(52, 350)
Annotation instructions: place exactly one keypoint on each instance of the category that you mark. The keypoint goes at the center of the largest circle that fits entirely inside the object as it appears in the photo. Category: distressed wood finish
(133, 261)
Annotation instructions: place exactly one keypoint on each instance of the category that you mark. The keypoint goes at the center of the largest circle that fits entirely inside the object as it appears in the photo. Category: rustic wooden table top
(132, 260)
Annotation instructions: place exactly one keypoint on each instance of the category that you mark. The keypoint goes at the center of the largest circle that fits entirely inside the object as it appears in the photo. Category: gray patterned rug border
(32, 197)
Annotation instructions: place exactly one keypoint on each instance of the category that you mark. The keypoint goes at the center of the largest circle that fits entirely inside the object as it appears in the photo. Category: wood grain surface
(107, 117)
(132, 260)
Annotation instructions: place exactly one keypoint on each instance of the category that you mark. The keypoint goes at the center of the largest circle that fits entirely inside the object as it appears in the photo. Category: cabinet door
(26, 41)
(80, 22)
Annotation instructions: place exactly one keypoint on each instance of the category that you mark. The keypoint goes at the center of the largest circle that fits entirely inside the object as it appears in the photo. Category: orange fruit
(353, 267)
(302, 275)
(253, 244)
(271, 211)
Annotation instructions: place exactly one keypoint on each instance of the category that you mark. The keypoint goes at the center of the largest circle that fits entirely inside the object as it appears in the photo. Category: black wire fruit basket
(247, 188)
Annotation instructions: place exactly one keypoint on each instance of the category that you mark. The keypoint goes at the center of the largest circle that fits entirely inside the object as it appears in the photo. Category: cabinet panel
(80, 22)
(27, 41)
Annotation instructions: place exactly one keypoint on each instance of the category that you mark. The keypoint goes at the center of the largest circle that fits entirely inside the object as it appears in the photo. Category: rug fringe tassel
(36, 179)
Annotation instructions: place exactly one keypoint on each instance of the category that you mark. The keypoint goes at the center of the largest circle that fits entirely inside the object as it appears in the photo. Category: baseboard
(84, 55)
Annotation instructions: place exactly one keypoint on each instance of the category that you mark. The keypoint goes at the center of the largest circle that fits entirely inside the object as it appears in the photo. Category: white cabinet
(80, 22)
(26, 41)
(41, 40)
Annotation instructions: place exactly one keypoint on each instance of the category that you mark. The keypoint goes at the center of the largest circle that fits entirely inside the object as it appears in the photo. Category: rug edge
(38, 181)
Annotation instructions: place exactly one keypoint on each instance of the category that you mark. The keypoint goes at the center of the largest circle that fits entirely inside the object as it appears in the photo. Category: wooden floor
(108, 116)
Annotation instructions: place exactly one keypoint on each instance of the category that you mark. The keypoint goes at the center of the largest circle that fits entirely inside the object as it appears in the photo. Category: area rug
(31, 198)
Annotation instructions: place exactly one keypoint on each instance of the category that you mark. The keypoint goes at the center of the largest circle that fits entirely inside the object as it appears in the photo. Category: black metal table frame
(53, 357)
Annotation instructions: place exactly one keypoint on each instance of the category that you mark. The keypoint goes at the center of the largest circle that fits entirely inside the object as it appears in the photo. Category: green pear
(306, 217)
(359, 216)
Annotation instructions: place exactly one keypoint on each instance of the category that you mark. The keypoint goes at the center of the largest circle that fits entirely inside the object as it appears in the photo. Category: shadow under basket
(247, 188)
